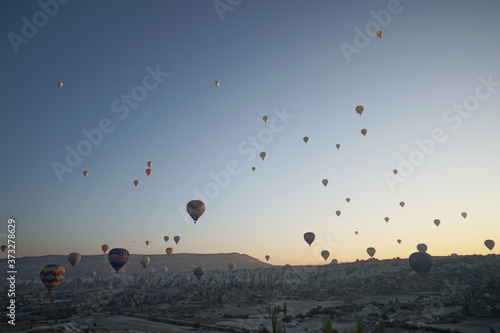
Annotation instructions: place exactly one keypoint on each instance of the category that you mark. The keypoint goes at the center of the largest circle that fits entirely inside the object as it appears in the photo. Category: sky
(139, 86)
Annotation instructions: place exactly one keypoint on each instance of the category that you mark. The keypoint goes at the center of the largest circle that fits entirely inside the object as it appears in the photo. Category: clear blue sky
(301, 58)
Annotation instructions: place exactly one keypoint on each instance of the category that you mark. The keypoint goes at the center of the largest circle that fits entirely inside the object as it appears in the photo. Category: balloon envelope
(149, 163)
(231, 266)
(74, 258)
(348, 200)
(253, 168)
(338, 146)
(306, 139)
(3, 247)
(267, 257)
(145, 260)
(177, 239)
(356, 232)
(325, 254)
(51, 275)
(402, 204)
(104, 248)
(85, 173)
(360, 109)
(464, 215)
(263, 155)
(136, 182)
(490, 244)
(169, 251)
(380, 33)
(371, 251)
(217, 83)
(118, 258)
(309, 237)
(325, 182)
(198, 272)
(399, 241)
(338, 212)
(60, 84)
(265, 118)
(195, 209)
(386, 219)
(395, 171)
(422, 247)
(166, 238)
(147, 243)
(437, 222)
(421, 263)
(148, 172)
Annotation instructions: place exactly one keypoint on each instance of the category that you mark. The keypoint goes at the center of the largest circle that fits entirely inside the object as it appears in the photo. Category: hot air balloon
(399, 241)
(422, 247)
(145, 261)
(147, 243)
(104, 248)
(149, 163)
(267, 257)
(395, 171)
(136, 182)
(386, 219)
(364, 131)
(85, 173)
(151, 270)
(309, 237)
(217, 83)
(263, 155)
(421, 263)
(265, 118)
(169, 251)
(325, 182)
(148, 172)
(118, 258)
(306, 139)
(402, 204)
(195, 209)
(165, 268)
(51, 275)
(338, 212)
(380, 33)
(437, 222)
(356, 232)
(93, 274)
(360, 109)
(177, 239)
(74, 258)
(490, 244)
(334, 262)
(166, 238)
(3, 248)
(60, 84)
(371, 251)
(231, 266)
(338, 146)
(253, 168)
(464, 215)
(198, 272)
(325, 254)
(348, 200)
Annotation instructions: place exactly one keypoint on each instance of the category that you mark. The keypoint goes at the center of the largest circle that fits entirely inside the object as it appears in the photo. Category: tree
(359, 325)
(327, 325)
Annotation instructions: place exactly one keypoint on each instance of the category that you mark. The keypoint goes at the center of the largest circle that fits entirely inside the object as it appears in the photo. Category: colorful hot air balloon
(148, 172)
(464, 215)
(395, 171)
(231, 266)
(437, 222)
(371, 251)
(490, 244)
(51, 275)
(149, 164)
(74, 258)
(104, 248)
(60, 84)
(265, 118)
(169, 251)
(402, 204)
(325, 254)
(422, 247)
(309, 237)
(253, 168)
(198, 272)
(399, 241)
(177, 239)
(3, 248)
(118, 258)
(267, 257)
(263, 155)
(348, 200)
(338, 146)
(421, 263)
(386, 219)
(195, 209)
(147, 243)
(380, 33)
(145, 260)
(166, 238)
(217, 83)
(136, 182)
(364, 131)
(325, 182)
(85, 173)
(306, 139)
(360, 109)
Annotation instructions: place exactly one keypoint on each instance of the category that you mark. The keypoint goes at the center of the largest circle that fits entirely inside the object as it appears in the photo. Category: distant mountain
(29, 267)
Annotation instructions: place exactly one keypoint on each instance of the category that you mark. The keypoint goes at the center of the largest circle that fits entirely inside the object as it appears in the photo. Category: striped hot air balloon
(118, 258)
(51, 275)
